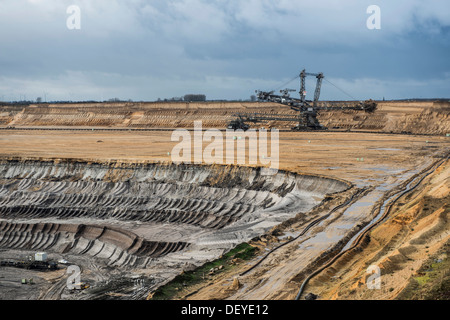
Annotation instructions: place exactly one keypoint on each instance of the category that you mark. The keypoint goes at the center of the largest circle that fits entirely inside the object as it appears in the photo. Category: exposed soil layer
(410, 248)
(146, 216)
(112, 202)
(430, 117)
(397, 246)
(119, 246)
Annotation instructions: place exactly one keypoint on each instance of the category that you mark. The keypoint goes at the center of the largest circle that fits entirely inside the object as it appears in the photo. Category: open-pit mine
(94, 185)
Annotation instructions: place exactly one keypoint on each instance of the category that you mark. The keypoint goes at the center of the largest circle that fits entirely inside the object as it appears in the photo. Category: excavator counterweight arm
(307, 110)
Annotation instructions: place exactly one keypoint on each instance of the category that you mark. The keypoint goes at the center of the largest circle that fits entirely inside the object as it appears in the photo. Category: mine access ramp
(307, 109)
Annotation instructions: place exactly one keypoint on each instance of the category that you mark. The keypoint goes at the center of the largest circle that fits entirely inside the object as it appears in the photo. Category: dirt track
(415, 235)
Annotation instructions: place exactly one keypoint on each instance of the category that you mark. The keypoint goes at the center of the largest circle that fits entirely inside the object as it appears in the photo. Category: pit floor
(356, 157)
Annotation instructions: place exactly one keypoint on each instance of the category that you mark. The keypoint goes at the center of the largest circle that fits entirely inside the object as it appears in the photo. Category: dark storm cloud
(226, 49)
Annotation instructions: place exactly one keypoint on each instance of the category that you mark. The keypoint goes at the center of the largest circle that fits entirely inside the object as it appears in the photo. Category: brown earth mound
(394, 116)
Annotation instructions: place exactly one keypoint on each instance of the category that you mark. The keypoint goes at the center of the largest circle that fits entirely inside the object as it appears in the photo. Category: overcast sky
(226, 49)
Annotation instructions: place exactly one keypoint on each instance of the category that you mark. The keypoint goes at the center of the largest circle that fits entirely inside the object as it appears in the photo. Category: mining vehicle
(307, 110)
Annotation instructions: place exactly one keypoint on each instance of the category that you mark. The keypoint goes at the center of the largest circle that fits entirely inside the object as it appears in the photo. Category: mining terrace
(94, 185)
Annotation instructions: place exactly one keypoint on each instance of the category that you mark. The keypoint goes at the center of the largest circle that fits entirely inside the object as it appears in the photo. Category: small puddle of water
(321, 237)
(288, 234)
(379, 215)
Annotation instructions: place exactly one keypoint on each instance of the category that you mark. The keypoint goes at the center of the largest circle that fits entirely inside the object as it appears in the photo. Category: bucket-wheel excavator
(307, 110)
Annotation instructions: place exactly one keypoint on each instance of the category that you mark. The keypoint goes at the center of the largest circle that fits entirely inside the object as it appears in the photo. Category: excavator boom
(307, 110)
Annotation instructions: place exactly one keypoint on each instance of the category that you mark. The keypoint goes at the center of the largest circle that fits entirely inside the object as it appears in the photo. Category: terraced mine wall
(422, 117)
(118, 246)
(146, 215)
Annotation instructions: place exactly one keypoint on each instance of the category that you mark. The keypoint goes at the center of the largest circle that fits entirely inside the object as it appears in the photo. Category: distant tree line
(194, 97)
(186, 98)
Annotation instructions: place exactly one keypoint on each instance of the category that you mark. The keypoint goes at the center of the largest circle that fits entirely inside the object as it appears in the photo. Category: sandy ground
(379, 161)
(429, 117)
(415, 233)
(357, 158)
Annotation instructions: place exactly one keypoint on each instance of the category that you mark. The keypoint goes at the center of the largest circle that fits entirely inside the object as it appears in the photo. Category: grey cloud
(226, 49)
